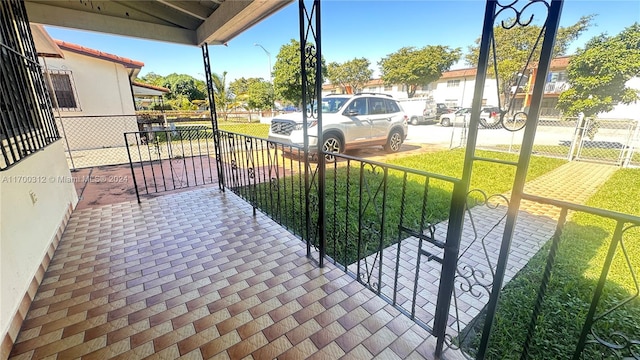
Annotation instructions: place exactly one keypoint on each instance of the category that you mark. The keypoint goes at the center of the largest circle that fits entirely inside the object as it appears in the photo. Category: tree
(260, 95)
(413, 67)
(513, 47)
(181, 86)
(287, 80)
(599, 72)
(152, 79)
(221, 94)
(352, 74)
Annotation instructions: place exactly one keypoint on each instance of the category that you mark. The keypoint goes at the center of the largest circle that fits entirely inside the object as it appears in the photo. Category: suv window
(358, 105)
(377, 106)
(333, 104)
(392, 106)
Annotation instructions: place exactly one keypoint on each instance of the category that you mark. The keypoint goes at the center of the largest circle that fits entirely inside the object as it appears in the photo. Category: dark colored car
(442, 109)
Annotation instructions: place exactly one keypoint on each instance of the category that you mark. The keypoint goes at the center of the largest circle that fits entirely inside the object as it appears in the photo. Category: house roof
(193, 22)
(459, 73)
(142, 89)
(128, 63)
(45, 45)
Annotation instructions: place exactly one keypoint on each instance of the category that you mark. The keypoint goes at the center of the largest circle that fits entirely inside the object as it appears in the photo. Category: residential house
(454, 88)
(555, 83)
(93, 92)
(378, 86)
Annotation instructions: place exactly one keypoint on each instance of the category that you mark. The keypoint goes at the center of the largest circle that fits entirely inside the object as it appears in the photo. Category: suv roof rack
(374, 93)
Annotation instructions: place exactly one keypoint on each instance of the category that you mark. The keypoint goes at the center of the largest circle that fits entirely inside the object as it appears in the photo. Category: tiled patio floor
(196, 275)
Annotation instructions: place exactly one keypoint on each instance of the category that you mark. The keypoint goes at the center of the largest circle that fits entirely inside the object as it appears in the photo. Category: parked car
(442, 109)
(461, 116)
(490, 117)
(348, 122)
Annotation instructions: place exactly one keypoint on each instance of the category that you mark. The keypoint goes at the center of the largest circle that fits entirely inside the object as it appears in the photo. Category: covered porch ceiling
(189, 22)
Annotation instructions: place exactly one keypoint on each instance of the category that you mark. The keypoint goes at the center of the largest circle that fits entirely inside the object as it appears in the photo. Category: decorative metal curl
(472, 280)
(372, 232)
(518, 14)
(619, 344)
(251, 172)
(516, 123)
(234, 166)
(625, 343)
(485, 200)
(274, 184)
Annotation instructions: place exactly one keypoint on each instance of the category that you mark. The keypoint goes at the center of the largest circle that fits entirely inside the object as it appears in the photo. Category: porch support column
(214, 116)
(551, 28)
(311, 74)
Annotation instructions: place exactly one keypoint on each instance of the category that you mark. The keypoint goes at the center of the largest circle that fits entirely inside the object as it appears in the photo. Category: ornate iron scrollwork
(469, 279)
(510, 120)
(617, 343)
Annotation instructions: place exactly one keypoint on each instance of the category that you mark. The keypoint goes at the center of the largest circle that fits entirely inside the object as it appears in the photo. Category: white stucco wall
(102, 86)
(27, 228)
(463, 94)
(106, 105)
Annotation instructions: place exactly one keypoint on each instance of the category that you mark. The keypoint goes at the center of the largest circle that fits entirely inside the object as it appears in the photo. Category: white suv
(348, 122)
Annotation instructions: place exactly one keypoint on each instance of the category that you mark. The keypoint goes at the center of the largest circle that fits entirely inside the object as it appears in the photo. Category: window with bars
(65, 95)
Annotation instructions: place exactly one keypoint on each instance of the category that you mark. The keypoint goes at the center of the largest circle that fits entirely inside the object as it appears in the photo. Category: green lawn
(579, 261)
(251, 129)
(343, 195)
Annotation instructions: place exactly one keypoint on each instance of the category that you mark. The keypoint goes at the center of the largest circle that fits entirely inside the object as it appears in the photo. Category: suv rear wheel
(332, 144)
(393, 142)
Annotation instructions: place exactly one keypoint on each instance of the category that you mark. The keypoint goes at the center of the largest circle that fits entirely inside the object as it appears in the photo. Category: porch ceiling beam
(58, 16)
(188, 7)
(233, 17)
(162, 12)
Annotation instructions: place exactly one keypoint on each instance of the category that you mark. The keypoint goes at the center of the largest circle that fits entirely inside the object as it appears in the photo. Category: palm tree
(221, 93)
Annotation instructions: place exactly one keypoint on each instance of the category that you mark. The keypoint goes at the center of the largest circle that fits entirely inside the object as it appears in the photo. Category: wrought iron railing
(599, 307)
(268, 175)
(385, 225)
(165, 160)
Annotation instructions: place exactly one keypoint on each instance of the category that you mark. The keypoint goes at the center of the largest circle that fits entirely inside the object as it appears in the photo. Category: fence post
(577, 136)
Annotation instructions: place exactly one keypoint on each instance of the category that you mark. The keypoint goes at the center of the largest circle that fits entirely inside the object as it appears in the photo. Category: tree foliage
(287, 80)
(260, 95)
(413, 67)
(352, 74)
(599, 72)
(221, 93)
(183, 86)
(514, 46)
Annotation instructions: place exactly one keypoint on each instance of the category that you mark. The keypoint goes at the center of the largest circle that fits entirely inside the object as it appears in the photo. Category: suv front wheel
(332, 144)
(393, 142)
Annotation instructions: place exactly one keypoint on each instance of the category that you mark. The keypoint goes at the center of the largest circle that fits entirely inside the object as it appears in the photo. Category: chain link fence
(613, 141)
(98, 140)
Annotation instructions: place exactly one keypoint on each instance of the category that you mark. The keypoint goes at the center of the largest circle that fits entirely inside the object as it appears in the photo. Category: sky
(350, 29)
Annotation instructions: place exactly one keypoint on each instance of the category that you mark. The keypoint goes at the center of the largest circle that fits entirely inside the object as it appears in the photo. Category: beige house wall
(35, 198)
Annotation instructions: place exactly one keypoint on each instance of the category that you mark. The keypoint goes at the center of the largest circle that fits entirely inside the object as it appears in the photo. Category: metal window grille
(26, 119)
(64, 90)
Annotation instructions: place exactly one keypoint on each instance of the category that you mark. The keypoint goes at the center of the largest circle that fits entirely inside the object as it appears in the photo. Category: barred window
(65, 94)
